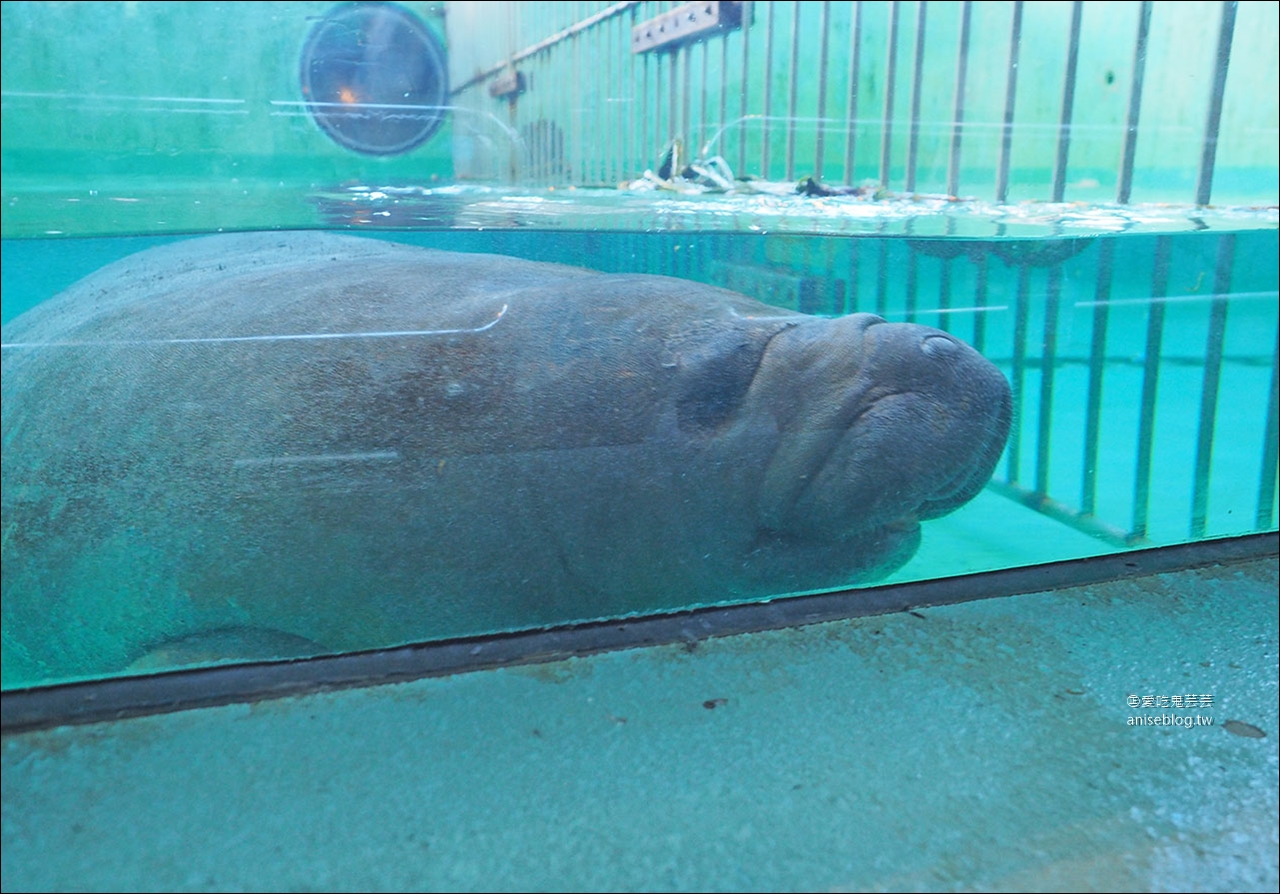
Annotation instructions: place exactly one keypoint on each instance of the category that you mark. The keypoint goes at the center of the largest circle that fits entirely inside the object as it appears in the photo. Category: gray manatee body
(360, 443)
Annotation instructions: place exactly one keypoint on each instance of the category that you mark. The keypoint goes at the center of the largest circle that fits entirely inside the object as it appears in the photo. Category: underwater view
(377, 343)
(274, 445)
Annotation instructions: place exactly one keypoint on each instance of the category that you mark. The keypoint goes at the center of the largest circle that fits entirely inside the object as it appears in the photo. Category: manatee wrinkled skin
(361, 443)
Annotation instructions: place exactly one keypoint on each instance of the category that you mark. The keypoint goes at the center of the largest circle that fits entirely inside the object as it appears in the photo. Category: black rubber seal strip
(121, 697)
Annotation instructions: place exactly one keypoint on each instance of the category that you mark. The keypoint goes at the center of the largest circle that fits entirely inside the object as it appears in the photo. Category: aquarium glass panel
(556, 314)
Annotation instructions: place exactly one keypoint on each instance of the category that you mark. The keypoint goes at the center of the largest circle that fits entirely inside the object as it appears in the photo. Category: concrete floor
(983, 746)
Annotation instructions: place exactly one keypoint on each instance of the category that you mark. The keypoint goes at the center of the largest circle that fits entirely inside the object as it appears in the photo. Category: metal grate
(1143, 367)
(999, 101)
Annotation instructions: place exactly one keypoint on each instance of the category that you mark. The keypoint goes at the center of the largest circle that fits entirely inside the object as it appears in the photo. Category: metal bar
(748, 11)
(573, 127)
(851, 110)
(882, 279)
(823, 25)
(724, 85)
(534, 131)
(768, 93)
(1068, 103)
(1267, 480)
(913, 284)
(617, 111)
(944, 292)
(686, 98)
(793, 82)
(1212, 374)
(589, 137)
(891, 66)
(604, 117)
(704, 49)
(554, 129)
(1048, 361)
(635, 163)
(546, 43)
(560, 124)
(587, 142)
(525, 154)
(979, 300)
(590, 118)
(1204, 185)
(1097, 365)
(533, 108)
(514, 149)
(1125, 187)
(645, 140)
(1045, 505)
(664, 103)
(703, 249)
(1150, 383)
(661, 108)
(917, 78)
(855, 258)
(619, 105)
(679, 97)
(557, 123)
(654, 131)
(1010, 95)
(957, 118)
(615, 157)
(1017, 372)
(653, 254)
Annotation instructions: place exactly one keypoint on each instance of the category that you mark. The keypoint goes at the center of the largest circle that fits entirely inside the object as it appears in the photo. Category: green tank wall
(108, 128)
(137, 101)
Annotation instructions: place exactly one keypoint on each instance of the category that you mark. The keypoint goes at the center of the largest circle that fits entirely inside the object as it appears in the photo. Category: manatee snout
(882, 425)
(940, 419)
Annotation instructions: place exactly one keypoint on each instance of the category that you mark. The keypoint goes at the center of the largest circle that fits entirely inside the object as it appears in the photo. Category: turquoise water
(1068, 320)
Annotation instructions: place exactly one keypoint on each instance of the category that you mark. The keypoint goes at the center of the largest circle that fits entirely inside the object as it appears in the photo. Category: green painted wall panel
(140, 98)
(110, 103)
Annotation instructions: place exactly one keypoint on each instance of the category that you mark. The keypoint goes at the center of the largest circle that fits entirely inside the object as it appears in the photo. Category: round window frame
(329, 119)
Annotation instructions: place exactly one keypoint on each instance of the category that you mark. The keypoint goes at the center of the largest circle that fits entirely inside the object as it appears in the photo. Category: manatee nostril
(861, 322)
(939, 345)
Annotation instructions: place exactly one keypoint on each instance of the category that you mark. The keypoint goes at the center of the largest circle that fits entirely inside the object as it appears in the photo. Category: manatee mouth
(951, 494)
(888, 470)
(926, 473)
(824, 547)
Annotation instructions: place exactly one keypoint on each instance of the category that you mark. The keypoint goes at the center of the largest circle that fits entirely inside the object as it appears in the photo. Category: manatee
(356, 443)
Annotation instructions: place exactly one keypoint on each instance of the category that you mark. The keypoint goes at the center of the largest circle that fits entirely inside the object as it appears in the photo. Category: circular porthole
(374, 78)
